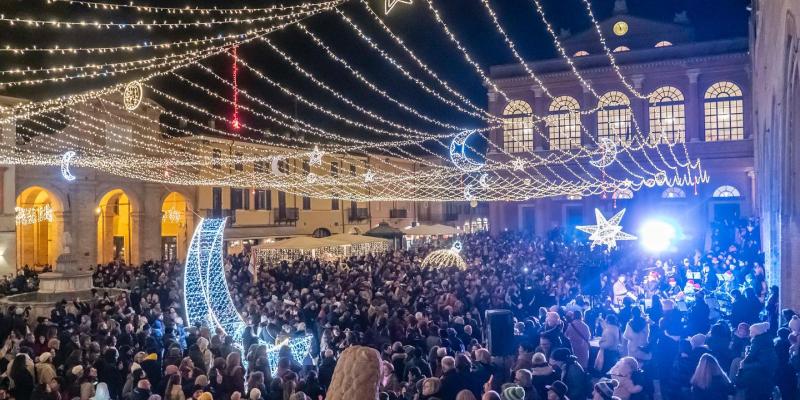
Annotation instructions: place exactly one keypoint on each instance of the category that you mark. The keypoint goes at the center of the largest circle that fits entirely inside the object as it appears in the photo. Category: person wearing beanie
(570, 373)
(558, 391)
(604, 390)
(513, 393)
(542, 375)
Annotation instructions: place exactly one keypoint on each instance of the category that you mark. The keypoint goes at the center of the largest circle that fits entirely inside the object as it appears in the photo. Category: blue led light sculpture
(207, 299)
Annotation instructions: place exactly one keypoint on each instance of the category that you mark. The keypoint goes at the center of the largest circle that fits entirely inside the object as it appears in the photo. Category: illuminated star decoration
(369, 177)
(389, 4)
(518, 164)
(207, 298)
(606, 232)
(316, 157)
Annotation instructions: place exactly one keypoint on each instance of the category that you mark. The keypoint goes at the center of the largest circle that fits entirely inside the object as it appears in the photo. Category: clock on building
(620, 28)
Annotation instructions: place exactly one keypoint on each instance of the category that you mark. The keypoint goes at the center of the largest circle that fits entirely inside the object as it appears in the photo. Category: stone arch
(177, 221)
(39, 226)
(118, 216)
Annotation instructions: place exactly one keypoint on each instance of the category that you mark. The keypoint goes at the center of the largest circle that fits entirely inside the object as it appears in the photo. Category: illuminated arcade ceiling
(407, 154)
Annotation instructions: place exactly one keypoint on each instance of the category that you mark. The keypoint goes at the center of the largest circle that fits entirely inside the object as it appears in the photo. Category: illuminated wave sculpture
(207, 299)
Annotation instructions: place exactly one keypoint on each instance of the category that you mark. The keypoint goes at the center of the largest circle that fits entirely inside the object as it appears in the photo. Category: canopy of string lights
(179, 95)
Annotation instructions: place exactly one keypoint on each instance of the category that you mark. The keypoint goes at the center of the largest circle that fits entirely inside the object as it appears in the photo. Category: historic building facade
(699, 93)
(775, 47)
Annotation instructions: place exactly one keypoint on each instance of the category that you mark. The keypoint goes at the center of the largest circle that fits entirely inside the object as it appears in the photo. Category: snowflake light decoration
(32, 215)
(172, 215)
(315, 158)
(207, 299)
(606, 232)
(518, 164)
(132, 95)
(369, 177)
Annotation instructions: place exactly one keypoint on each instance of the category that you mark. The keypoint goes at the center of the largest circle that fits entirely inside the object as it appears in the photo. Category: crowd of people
(576, 335)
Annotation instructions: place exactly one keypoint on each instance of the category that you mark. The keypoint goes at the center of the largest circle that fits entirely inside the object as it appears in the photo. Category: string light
(235, 73)
(192, 10)
(33, 215)
(132, 95)
(445, 258)
(388, 5)
(606, 232)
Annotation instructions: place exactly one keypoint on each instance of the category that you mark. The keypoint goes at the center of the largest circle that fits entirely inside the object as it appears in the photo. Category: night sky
(712, 19)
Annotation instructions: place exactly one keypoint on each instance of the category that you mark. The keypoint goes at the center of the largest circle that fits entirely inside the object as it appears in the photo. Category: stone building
(775, 43)
(699, 93)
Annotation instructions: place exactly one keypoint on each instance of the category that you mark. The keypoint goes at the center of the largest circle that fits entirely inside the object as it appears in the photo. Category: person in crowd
(579, 336)
(557, 391)
(709, 381)
(604, 389)
(756, 375)
(571, 373)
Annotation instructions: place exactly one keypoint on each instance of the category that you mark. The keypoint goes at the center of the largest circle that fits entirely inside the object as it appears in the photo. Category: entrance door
(169, 248)
(119, 248)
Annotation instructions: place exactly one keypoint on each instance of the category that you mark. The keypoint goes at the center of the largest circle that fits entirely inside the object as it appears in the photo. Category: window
(306, 203)
(581, 53)
(564, 123)
(238, 166)
(237, 199)
(673, 193)
(518, 127)
(283, 166)
(667, 117)
(216, 202)
(334, 204)
(614, 117)
(306, 167)
(262, 199)
(334, 169)
(622, 194)
(352, 170)
(216, 155)
(621, 49)
(726, 191)
(663, 43)
(724, 114)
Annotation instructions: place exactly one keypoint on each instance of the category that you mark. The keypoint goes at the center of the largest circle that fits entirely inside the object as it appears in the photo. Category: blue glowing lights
(207, 299)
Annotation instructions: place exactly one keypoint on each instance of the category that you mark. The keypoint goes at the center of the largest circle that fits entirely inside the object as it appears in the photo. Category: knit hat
(759, 329)
(558, 387)
(605, 387)
(698, 340)
(205, 396)
(539, 359)
(514, 393)
(561, 354)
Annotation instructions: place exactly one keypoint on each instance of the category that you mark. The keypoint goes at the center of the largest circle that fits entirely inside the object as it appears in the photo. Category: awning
(431, 230)
(298, 243)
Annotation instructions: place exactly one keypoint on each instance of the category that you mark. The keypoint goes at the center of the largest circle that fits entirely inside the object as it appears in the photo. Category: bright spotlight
(657, 236)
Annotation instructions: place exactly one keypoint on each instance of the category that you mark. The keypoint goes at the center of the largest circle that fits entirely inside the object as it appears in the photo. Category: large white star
(606, 232)
(518, 164)
(315, 158)
(389, 4)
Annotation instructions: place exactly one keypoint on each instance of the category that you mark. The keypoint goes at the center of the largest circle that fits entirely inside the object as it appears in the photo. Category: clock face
(620, 28)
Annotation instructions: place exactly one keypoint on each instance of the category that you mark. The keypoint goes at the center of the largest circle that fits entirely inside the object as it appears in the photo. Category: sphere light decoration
(132, 95)
(445, 258)
(207, 299)
(65, 160)
(657, 235)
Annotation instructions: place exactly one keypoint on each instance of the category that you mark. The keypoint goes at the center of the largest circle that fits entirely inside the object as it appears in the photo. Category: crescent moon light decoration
(207, 299)
(483, 181)
(468, 192)
(65, 160)
(457, 156)
(275, 166)
(608, 153)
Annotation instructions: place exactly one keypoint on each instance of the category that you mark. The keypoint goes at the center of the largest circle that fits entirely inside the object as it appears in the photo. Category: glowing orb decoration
(388, 5)
(65, 160)
(606, 232)
(445, 258)
(207, 299)
(608, 153)
(657, 236)
(132, 95)
(457, 156)
(315, 158)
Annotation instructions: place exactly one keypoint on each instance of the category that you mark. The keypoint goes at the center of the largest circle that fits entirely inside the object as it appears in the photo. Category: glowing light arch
(207, 299)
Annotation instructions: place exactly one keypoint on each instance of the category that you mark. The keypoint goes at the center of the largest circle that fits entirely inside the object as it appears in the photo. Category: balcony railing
(358, 214)
(398, 213)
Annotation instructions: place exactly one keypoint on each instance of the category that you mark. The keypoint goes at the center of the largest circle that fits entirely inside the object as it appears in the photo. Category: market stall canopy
(432, 230)
(298, 243)
(346, 238)
(383, 230)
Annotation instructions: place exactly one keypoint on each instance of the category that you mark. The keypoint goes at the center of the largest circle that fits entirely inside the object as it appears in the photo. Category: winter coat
(757, 373)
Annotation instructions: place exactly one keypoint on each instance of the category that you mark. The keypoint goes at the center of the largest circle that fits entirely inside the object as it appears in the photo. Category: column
(540, 136)
(640, 108)
(694, 108)
(150, 223)
(496, 135)
(84, 223)
(589, 121)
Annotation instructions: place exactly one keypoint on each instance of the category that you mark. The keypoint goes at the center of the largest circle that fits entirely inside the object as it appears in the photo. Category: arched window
(581, 53)
(667, 117)
(564, 123)
(621, 49)
(673, 193)
(517, 127)
(663, 43)
(724, 114)
(726, 191)
(622, 194)
(614, 117)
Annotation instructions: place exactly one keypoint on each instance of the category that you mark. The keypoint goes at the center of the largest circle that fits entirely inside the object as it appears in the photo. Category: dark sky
(712, 19)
